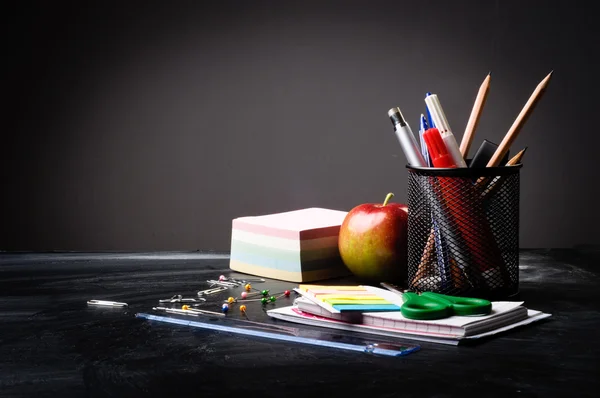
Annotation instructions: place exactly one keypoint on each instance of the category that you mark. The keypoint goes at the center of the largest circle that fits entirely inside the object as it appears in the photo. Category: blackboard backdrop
(150, 125)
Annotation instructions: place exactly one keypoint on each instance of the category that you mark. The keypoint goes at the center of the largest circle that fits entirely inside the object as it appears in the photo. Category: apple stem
(387, 198)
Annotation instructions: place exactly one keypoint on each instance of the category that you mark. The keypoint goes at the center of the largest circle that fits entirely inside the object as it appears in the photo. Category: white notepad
(452, 330)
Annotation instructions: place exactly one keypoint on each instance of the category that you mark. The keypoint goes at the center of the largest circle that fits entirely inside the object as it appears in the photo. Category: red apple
(373, 241)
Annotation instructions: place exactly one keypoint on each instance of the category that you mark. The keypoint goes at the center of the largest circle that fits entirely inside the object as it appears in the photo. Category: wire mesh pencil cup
(463, 231)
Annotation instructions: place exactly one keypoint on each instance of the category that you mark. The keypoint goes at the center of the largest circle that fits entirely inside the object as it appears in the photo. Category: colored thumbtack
(243, 311)
(250, 294)
(186, 307)
(284, 294)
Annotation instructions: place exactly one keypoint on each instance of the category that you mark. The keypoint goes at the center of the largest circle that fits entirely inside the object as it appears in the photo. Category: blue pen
(440, 244)
(431, 123)
(422, 128)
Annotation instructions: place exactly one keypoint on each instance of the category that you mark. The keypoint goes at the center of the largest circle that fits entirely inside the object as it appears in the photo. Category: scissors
(429, 305)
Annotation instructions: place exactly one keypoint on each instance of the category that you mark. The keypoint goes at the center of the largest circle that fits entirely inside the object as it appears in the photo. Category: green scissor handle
(417, 307)
(431, 305)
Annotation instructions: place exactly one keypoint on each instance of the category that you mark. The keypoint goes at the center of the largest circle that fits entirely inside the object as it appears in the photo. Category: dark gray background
(137, 126)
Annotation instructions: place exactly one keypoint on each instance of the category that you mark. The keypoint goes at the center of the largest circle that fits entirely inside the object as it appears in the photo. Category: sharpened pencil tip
(490, 73)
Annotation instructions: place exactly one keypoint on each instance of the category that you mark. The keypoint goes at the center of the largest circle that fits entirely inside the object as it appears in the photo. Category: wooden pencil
(512, 134)
(517, 158)
(495, 184)
(473, 122)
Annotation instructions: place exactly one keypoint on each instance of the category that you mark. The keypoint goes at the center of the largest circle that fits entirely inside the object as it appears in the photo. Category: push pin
(284, 294)
(252, 291)
(266, 297)
(225, 308)
(230, 301)
(243, 297)
(267, 300)
(243, 311)
(199, 311)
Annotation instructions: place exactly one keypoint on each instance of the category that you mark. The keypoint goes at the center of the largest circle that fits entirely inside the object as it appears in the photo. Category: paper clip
(223, 283)
(188, 311)
(107, 303)
(211, 291)
(178, 298)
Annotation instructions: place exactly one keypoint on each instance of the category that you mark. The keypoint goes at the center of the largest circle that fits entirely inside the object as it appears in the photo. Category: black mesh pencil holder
(463, 231)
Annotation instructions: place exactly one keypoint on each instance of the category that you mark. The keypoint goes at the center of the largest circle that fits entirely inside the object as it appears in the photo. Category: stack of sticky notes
(295, 246)
(337, 299)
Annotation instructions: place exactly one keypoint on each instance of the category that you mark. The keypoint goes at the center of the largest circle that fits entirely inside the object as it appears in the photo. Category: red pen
(440, 157)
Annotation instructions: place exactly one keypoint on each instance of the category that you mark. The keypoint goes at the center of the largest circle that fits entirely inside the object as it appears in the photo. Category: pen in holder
(475, 212)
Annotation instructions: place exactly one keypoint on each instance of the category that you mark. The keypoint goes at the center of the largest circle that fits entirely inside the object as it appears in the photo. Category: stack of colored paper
(295, 246)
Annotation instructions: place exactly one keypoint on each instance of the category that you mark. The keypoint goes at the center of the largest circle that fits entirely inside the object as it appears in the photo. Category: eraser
(484, 154)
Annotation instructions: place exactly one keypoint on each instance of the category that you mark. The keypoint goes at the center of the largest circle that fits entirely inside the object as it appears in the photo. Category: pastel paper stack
(295, 246)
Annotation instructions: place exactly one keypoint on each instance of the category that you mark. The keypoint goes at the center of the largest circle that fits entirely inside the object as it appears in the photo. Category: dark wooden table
(52, 344)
